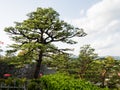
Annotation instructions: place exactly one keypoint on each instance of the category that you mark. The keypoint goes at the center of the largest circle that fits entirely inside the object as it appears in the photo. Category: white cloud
(102, 23)
(82, 12)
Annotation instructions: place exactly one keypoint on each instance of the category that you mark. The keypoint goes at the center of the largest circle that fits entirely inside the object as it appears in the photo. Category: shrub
(64, 82)
(34, 84)
(13, 81)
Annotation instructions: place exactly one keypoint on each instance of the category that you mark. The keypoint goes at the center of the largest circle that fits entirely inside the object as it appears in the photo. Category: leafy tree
(93, 74)
(107, 68)
(104, 72)
(60, 62)
(86, 57)
(73, 66)
(37, 34)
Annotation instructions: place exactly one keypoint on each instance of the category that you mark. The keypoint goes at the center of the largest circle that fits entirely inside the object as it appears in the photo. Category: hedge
(64, 82)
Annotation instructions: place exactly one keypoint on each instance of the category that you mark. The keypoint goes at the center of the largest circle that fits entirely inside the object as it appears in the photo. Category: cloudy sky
(100, 19)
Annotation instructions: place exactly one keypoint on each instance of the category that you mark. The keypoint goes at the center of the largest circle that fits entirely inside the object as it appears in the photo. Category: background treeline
(87, 66)
(100, 71)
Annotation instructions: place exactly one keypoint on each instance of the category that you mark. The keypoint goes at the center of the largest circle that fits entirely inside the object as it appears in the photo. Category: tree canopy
(37, 33)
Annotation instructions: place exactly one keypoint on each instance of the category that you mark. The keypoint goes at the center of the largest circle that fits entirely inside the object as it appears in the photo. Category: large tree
(37, 33)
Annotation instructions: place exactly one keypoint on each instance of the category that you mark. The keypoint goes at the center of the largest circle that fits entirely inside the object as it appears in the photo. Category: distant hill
(115, 57)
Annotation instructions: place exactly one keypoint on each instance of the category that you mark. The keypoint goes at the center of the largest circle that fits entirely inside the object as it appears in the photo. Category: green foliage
(37, 34)
(86, 57)
(58, 62)
(42, 27)
(64, 82)
(13, 81)
(87, 53)
(17, 61)
(93, 73)
(34, 86)
(104, 72)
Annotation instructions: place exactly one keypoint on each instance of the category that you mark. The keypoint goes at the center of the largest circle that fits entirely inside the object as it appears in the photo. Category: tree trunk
(82, 71)
(38, 65)
(103, 78)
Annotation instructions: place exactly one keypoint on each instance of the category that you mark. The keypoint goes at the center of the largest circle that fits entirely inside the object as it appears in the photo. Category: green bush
(52, 82)
(34, 84)
(13, 81)
(64, 82)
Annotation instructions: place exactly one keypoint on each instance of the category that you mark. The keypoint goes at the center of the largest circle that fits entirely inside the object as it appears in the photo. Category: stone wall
(24, 72)
(5, 68)
(27, 71)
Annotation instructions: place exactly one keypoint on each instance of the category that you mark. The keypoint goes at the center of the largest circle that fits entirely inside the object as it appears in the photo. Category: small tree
(60, 62)
(107, 69)
(39, 31)
(86, 56)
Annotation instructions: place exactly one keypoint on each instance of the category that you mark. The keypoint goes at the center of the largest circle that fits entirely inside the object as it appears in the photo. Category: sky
(100, 19)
